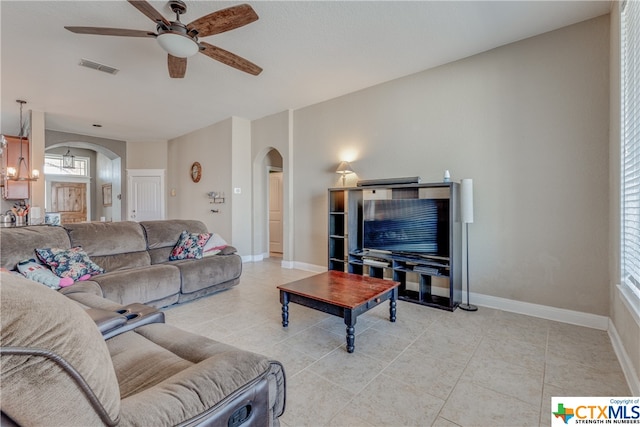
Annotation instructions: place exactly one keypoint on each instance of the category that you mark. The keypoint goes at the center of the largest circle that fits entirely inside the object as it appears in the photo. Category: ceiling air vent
(97, 66)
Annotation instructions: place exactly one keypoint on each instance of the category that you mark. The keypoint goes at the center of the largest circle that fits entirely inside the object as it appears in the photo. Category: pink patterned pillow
(189, 246)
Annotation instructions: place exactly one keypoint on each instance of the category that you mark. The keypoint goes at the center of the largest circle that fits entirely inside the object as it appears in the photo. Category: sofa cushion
(112, 245)
(85, 287)
(19, 243)
(122, 261)
(143, 285)
(189, 246)
(196, 373)
(206, 272)
(163, 233)
(107, 238)
(53, 359)
(73, 263)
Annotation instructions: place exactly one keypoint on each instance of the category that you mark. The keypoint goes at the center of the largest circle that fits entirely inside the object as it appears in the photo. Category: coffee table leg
(392, 305)
(284, 299)
(350, 321)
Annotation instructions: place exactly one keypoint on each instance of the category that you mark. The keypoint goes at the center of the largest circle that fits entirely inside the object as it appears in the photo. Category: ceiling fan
(180, 41)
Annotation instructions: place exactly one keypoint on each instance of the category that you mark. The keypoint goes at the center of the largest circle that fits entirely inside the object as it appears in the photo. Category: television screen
(414, 226)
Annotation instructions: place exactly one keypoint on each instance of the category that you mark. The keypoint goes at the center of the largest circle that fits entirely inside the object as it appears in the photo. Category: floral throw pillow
(189, 246)
(73, 263)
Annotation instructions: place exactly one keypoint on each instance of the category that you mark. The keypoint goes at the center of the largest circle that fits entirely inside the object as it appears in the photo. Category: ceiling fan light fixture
(178, 45)
(181, 41)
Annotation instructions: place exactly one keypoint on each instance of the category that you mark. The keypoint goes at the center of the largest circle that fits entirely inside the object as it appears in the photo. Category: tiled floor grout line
(458, 380)
(511, 331)
(544, 373)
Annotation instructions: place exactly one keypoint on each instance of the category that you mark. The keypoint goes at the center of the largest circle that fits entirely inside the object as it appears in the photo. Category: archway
(103, 182)
(270, 216)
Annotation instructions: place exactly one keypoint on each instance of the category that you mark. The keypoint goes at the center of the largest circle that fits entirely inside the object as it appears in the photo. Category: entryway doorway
(271, 217)
(275, 213)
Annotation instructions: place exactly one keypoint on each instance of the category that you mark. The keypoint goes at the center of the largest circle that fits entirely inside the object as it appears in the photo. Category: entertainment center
(409, 233)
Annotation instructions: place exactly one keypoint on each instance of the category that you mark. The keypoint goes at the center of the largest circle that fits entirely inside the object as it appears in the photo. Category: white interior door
(275, 212)
(146, 195)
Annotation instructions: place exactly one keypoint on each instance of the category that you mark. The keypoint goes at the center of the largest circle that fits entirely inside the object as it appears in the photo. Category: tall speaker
(466, 215)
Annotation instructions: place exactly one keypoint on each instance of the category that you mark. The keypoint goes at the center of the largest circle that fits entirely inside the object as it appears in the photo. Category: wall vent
(97, 66)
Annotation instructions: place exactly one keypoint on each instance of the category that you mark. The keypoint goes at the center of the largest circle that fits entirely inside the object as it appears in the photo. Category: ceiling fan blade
(150, 11)
(224, 20)
(177, 66)
(229, 59)
(102, 31)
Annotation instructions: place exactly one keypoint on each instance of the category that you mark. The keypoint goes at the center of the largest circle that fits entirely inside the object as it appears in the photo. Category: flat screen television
(410, 226)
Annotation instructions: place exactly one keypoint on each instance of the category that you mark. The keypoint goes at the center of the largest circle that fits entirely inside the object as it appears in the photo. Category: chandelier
(68, 160)
(15, 173)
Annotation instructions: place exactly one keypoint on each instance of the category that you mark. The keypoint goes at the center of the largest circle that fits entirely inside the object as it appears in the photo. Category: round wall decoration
(196, 172)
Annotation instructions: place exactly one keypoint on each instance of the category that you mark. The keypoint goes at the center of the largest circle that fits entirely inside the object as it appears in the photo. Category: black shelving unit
(338, 226)
(427, 280)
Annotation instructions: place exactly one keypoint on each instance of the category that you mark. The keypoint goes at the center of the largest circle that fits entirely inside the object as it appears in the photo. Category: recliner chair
(57, 369)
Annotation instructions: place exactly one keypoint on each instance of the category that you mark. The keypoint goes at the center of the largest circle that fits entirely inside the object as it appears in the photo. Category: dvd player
(375, 262)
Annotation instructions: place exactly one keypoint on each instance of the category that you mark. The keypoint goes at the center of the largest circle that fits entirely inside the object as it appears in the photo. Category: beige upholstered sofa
(135, 257)
(57, 369)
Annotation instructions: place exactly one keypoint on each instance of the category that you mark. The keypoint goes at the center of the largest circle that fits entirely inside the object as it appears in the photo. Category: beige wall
(212, 148)
(527, 121)
(241, 228)
(626, 320)
(147, 154)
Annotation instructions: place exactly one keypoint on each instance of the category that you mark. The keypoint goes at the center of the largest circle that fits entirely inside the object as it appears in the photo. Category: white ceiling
(310, 51)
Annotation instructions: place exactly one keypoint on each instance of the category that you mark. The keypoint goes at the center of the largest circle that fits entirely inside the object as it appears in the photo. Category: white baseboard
(308, 267)
(579, 318)
(252, 258)
(544, 311)
(625, 362)
(568, 316)
(287, 264)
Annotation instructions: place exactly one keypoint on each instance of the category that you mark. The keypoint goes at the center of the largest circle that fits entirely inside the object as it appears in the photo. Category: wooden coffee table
(341, 294)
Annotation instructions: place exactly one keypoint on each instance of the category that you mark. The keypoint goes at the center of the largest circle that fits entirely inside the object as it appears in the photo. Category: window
(630, 134)
(53, 166)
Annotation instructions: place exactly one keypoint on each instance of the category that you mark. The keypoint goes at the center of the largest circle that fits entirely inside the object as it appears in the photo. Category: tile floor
(431, 367)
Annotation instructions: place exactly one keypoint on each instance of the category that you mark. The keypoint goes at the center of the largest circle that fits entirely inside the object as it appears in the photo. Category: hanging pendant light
(15, 173)
(68, 160)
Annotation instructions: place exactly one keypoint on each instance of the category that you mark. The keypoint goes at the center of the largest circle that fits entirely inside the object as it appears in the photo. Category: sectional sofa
(57, 369)
(94, 354)
(134, 256)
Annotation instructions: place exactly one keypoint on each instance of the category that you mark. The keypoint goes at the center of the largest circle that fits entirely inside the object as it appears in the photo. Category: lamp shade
(177, 44)
(344, 167)
(466, 200)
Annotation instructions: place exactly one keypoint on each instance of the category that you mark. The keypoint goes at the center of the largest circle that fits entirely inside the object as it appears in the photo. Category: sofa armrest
(136, 315)
(106, 320)
(114, 322)
(84, 287)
